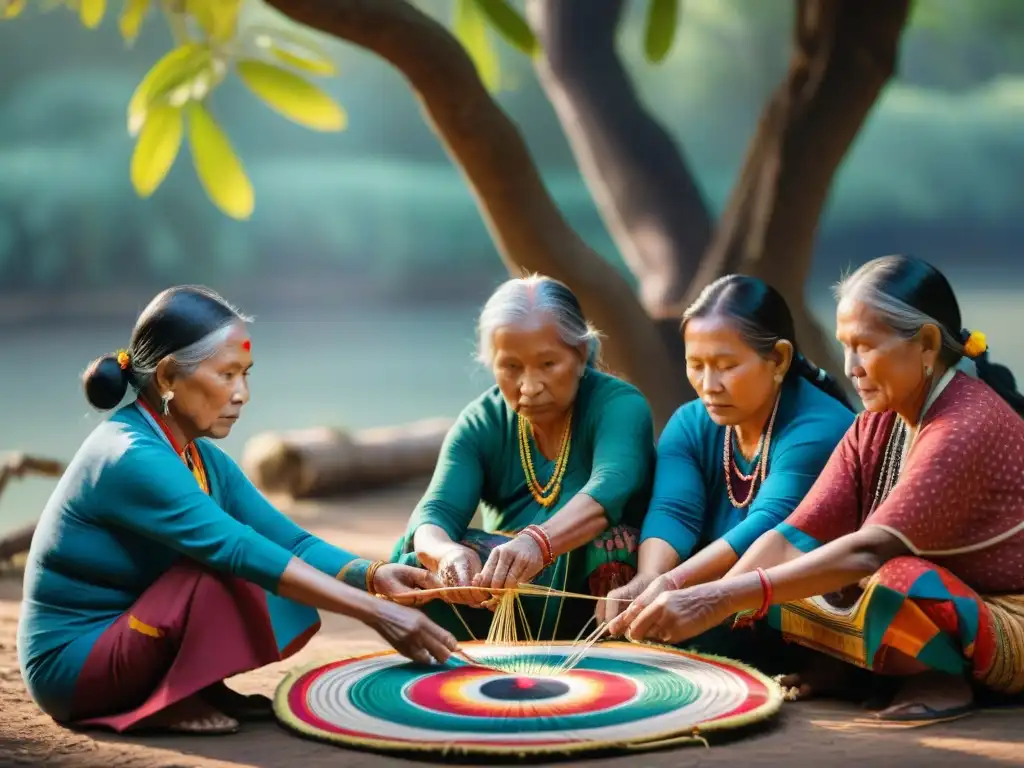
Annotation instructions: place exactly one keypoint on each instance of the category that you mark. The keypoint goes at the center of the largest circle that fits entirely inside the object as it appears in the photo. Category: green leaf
(662, 21)
(510, 25)
(471, 30)
(156, 149)
(170, 80)
(290, 95)
(11, 9)
(131, 19)
(218, 18)
(91, 12)
(219, 170)
(295, 50)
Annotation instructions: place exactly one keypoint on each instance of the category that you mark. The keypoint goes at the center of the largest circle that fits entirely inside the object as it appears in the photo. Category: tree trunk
(845, 51)
(529, 230)
(638, 176)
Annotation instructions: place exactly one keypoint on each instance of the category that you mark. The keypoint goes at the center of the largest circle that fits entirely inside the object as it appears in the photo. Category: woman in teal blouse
(735, 462)
(558, 455)
(157, 570)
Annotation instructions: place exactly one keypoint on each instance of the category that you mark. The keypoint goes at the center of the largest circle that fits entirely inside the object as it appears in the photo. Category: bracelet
(540, 536)
(767, 595)
(371, 573)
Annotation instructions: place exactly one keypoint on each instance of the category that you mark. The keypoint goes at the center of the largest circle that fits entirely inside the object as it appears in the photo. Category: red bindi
(246, 345)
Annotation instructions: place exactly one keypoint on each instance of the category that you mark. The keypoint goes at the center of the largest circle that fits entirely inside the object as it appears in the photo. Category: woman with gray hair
(157, 570)
(559, 454)
(906, 557)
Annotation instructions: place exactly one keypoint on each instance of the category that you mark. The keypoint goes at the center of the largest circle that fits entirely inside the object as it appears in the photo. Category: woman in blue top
(735, 462)
(157, 570)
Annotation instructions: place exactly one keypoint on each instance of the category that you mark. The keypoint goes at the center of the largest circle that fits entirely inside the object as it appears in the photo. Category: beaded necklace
(548, 494)
(761, 468)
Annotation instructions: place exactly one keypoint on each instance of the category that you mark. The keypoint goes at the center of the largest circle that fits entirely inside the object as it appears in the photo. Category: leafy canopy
(172, 103)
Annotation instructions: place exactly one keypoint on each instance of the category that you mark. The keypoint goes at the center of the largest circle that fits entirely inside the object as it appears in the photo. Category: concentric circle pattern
(620, 694)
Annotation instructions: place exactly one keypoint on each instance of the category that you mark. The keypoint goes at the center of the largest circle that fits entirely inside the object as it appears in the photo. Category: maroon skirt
(191, 628)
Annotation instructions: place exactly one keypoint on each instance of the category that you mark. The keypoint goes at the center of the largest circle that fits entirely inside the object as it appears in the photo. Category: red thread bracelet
(540, 536)
(767, 594)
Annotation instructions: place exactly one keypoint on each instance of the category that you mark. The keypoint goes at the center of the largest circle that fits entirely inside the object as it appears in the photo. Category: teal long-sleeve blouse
(125, 510)
(611, 460)
(690, 507)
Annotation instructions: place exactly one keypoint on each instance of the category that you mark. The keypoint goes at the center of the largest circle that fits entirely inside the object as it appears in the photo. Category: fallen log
(322, 462)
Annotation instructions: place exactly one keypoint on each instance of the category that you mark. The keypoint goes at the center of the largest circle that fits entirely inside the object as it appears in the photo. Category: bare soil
(812, 733)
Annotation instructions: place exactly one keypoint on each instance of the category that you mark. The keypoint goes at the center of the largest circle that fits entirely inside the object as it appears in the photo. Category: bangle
(767, 594)
(371, 573)
(540, 536)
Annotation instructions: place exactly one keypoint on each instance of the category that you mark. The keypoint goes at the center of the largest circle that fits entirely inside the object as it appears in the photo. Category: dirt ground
(811, 733)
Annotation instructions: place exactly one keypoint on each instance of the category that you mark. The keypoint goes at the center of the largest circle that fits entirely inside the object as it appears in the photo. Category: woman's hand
(620, 599)
(511, 564)
(646, 595)
(412, 634)
(682, 614)
(393, 579)
(457, 567)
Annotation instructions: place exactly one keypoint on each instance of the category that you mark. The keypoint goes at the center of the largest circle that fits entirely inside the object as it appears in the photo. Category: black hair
(910, 293)
(762, 318)
(175, 319)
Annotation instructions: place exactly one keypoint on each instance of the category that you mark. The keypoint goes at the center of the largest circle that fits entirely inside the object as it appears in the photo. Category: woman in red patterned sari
(907, 555)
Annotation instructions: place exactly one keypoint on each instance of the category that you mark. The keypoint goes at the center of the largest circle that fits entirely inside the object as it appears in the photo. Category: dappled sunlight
(1005, 752)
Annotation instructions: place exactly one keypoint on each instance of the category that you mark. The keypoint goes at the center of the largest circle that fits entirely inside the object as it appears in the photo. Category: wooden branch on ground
(19, 465)
(530, 231)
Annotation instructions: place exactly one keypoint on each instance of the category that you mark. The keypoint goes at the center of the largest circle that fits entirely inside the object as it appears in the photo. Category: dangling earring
(778, 379)
(167, 397)
(927, 371)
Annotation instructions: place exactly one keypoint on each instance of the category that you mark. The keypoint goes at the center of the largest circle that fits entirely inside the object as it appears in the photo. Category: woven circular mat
(621, 696)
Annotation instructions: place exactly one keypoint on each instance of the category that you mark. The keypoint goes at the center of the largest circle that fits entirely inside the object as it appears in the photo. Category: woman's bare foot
(821, 676)
(930, 696)
(193, 716)
(247, 708)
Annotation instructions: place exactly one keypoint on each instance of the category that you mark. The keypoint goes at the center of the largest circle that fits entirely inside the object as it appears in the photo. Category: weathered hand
(647, 595)
(681, 614)
(619, 599)
(393, 579)
(412, 634)
(511, 564)
(457, 568)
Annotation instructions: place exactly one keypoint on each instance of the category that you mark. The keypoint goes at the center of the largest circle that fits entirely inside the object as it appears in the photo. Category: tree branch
(637, 174)
(529, 230)
(845, 51)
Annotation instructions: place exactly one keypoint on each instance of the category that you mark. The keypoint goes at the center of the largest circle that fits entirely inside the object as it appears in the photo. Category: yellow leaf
(91, 12)
(291, 96)
(10, 9)
(156, 149)
(471, 30)
(131, 18)
(173, 75)
(217, 166)
(218, 18)
(323, 67)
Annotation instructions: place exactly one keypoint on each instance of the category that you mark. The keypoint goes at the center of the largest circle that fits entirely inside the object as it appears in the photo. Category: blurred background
(366, 259)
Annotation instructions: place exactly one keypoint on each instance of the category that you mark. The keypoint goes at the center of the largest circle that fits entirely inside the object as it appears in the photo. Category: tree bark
(845, 51)
(637, 174)
(530, 232)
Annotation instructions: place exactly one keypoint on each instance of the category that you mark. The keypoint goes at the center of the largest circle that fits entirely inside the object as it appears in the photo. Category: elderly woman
(157, 570)
(559, 454)
(734, 464)
(907, 556)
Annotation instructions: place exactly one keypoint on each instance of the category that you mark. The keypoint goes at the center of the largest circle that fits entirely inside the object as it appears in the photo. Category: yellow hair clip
(123, 359)
(976, 344)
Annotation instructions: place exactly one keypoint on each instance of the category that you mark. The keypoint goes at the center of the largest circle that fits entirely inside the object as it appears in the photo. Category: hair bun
(105, 383)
